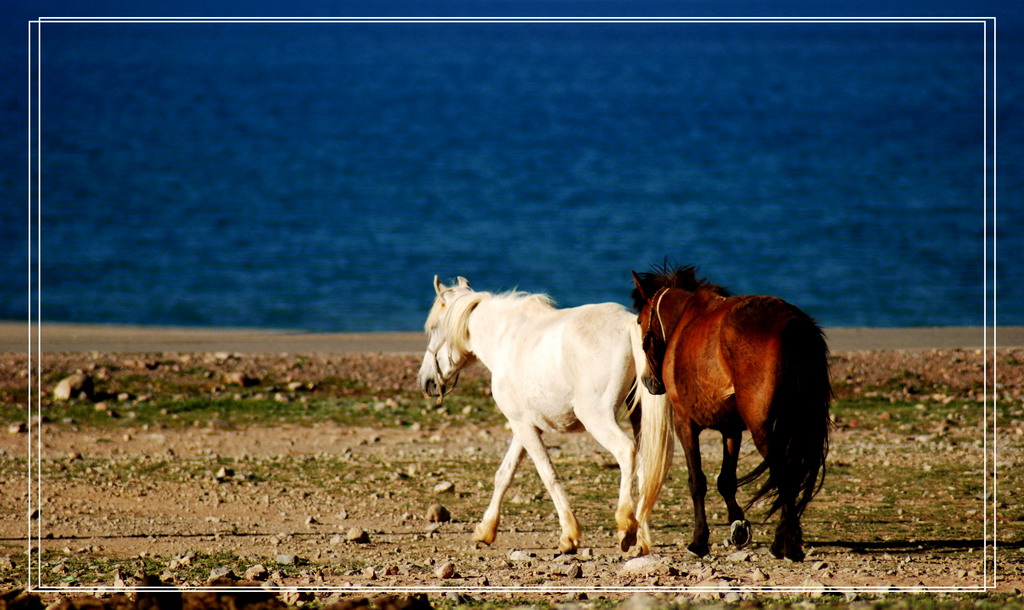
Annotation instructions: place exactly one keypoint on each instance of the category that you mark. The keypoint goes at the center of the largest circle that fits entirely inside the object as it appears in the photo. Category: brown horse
(734, 363)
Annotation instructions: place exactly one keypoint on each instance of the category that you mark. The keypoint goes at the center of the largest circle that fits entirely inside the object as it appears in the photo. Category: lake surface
(317, 176)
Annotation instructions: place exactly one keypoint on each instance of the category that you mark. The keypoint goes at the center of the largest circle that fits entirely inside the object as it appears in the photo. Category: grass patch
(256, 409)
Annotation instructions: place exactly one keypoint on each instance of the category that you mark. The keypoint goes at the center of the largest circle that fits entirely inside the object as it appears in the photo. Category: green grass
(256, 408)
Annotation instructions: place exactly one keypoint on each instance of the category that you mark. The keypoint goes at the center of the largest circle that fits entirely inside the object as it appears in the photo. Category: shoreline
(63, 337)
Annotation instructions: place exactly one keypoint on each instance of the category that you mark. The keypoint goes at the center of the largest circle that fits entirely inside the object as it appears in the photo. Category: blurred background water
(317, 176)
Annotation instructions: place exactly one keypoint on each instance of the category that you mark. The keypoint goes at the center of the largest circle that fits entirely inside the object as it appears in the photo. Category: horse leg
(487, 530)
(739, 531)
(601, 424)
(789, 536)
(689, 436)
(529, 436)
(788, 542)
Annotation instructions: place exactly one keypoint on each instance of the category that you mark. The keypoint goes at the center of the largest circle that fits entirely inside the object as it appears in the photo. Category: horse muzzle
(653, 384)
(437, 388)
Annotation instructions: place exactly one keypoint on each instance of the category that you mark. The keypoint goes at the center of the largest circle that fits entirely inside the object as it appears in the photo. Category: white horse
(555, 370)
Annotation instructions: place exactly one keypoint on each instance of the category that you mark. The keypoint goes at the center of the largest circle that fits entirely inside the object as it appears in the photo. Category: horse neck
(499, 319)
(680, 306)
(486, 323)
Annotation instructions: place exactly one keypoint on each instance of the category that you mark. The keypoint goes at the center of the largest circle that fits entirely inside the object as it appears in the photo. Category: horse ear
(464, 283)
(639, 285)
(438, 286)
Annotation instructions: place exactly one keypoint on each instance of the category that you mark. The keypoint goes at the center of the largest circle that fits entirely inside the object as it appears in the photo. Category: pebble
(815, 588)
(445, 487)
(73, 385)
(357, 536)
(647, 565)
(574, 571)
(287, 559)
(222, 572)
(520, 555)
(18, 428)
(438, 514)
(819, 565)
(758, 575)
(642, 601)
(445, 570)
(240, 379)
(257, 572)
(739, 556)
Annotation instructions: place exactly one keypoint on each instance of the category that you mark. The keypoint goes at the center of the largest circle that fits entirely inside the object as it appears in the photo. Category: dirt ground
(910, 502)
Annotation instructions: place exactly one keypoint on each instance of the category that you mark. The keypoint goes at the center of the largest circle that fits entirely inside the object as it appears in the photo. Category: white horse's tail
(654, 455)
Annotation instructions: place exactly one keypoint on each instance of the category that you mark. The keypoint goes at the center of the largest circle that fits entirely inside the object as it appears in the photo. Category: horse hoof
(740, 533)
(484, 535)
(699, 549)
(796, 554)
(627, 540)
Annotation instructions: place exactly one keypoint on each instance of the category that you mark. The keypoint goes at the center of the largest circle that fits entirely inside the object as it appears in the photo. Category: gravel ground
(265, 493)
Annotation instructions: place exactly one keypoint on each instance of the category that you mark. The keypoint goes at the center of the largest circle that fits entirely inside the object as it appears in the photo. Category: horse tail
(798, 423)
(654, 455)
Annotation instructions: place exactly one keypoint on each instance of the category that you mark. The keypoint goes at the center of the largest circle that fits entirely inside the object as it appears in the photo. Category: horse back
(757, 336)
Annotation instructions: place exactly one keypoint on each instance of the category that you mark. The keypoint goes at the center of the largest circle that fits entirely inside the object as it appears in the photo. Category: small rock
(446, 487)
(337, 539)
(257, 572)
(574, 571)
(225, 473)
(295, 598)
(73, 385)
(119, 580)
(819, 565)
(438, 514)
(222, 572)
(287, 560)
(647, 565)
(519, 555)
(18, 428)
(370, 573)
(758, 575)
(445, 570)
(357, 536)
(642, 601)
(311, 520)
(240, 379)
(815, 588)
(296, 386)
(739, 556)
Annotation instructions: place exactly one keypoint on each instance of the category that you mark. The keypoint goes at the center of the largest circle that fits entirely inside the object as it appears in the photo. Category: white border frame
(35, 330)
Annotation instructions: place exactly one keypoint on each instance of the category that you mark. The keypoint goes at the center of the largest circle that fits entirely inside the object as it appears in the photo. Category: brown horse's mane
(664, 276)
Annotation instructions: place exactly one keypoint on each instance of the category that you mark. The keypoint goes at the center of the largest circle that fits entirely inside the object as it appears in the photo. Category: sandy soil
(264, 493)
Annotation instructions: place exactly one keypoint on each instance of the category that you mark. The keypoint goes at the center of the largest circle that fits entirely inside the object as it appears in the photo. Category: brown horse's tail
(798, 423)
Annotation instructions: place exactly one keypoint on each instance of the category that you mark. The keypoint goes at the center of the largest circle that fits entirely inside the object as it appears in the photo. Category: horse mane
(664, 276)
(539, 299)
(454, 319)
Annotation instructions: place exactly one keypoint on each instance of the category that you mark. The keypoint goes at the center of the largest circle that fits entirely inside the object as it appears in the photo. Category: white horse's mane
(454, 317)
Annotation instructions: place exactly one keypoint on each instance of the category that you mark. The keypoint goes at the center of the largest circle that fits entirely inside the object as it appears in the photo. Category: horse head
(646, 299)
(447, 329)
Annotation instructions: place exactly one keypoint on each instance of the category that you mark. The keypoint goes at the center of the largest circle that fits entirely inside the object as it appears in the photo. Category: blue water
(317, 176)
